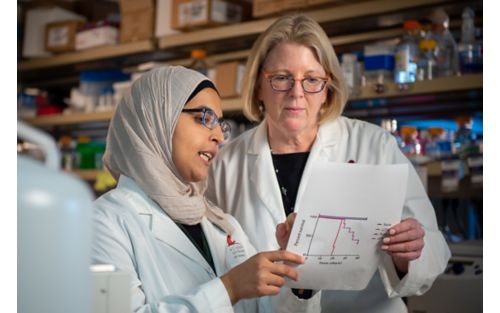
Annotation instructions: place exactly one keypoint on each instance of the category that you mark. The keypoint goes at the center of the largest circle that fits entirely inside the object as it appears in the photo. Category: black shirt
(197, 237)
(289, 168)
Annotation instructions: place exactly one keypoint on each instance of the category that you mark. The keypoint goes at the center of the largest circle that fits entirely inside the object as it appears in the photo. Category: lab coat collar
(264, 178)
(329, 134)
(162, 226)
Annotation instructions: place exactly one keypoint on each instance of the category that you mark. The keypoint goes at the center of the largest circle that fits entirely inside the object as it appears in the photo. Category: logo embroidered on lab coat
(235, 253)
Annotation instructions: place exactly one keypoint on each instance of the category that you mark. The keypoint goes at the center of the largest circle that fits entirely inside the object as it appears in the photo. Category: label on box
(225, 12)
(58, 36)
(192, 13)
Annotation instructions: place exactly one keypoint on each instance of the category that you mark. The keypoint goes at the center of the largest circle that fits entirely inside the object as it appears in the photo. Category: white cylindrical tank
(54, 236)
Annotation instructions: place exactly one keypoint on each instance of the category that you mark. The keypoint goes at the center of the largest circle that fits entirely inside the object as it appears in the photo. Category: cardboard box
(317, 2)
(228, 78)
(127, 6)
(61, 36)
(273, 7)
(266, 7)
(163, 19)
(295, 4)
(34, 28)
(100, 36)
(188, 14)
(137, 25)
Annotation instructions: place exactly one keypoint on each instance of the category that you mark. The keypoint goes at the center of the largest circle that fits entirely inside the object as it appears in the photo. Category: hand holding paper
(343, 215)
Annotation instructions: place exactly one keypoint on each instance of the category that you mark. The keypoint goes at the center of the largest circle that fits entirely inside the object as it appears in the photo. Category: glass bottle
(446, 47)
(407, 53)
(470, 52)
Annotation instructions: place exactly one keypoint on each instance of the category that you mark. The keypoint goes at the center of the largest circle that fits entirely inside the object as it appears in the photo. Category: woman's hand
(404, 242)
(260, 275)
(284, 229)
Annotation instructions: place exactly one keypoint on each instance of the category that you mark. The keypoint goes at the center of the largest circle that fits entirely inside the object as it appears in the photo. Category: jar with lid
(198, 61)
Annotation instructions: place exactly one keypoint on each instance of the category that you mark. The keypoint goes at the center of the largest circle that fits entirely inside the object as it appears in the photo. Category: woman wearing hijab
(184, 253)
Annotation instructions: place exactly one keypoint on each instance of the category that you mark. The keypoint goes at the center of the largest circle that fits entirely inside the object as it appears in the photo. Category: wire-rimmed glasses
(285, 82)
(210, 120)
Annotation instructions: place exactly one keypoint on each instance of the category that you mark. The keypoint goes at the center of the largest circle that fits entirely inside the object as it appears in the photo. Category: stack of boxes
(137, 20)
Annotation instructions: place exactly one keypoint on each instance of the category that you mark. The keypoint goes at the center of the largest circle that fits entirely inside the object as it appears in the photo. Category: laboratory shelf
(438, 85)
(68, 119)
(322, 15)
(93, 54)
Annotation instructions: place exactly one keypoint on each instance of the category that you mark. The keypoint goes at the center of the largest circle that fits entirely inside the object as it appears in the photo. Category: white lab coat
(243, 183)
(168, 273)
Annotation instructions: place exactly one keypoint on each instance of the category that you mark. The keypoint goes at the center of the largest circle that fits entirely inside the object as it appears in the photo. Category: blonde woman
(294, 88)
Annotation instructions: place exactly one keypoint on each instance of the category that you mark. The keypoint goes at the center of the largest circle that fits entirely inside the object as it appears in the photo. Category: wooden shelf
(231, 104)
(324, 15)
(68, 119)
(235, 31)
(87, 55)
(442, 84)
(438, 85)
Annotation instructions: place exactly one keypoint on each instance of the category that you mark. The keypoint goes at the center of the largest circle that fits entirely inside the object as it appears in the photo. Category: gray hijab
(139, 145)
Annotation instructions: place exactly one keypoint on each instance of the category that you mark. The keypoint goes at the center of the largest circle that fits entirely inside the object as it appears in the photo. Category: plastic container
(54, 223)
(427, 64)
(407, 53)
(378, 65)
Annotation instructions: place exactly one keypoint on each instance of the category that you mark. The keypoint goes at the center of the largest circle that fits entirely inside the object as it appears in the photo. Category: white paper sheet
(342, 217)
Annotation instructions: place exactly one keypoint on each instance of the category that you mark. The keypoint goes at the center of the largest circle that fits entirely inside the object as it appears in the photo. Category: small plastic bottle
(434, 148)
(427, 64)
(67, 146)
(407, 53)
(198, 61)
(350, 71)
(465, 138)
(410, 144)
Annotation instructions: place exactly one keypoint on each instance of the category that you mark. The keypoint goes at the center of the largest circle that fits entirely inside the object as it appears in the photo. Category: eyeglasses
(210, 120)
(282, 82)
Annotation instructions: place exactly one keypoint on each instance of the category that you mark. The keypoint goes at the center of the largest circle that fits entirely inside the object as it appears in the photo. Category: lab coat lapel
(323, 149)
(217, 244)
(263, 177)
(161, 225)
(165, 230)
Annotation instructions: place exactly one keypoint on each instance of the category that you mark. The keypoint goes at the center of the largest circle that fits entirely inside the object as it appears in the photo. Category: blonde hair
(303, 30)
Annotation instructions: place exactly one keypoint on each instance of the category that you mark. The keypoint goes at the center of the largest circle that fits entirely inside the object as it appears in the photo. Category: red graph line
(336, 237)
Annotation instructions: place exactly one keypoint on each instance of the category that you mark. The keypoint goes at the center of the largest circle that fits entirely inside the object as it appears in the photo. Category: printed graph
(334, 236)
